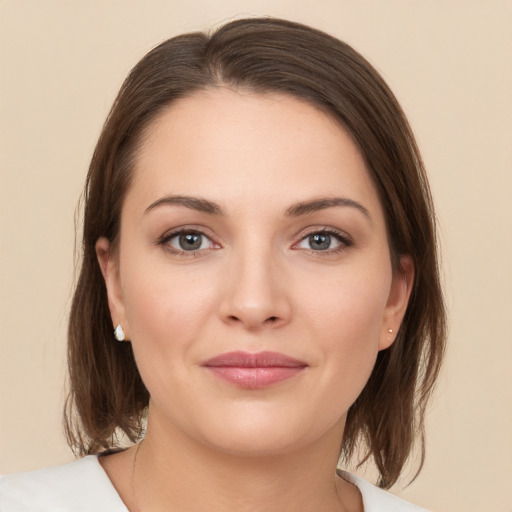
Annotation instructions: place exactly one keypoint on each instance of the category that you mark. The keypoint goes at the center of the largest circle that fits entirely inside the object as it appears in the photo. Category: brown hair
(265, 55)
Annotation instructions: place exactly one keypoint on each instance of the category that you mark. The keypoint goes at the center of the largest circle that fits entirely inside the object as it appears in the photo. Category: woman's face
(253, 275)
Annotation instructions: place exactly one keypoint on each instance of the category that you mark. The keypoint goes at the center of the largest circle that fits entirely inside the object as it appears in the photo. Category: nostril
(271, 319)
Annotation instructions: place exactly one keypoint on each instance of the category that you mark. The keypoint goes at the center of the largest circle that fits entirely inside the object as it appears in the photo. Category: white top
(83, 486)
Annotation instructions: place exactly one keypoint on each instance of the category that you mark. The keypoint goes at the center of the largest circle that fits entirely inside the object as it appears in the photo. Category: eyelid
(179, 230)
(344, 238)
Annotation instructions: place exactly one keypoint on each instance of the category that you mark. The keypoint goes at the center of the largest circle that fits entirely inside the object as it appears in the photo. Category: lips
(254, 370)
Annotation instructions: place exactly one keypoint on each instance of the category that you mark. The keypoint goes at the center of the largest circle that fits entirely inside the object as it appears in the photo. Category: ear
(109, 266)
(400, 291)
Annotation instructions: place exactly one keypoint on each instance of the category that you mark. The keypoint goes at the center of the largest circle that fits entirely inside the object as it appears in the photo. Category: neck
(174, 471)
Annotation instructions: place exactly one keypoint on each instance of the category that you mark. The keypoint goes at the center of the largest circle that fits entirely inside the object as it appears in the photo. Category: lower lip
(255, 378)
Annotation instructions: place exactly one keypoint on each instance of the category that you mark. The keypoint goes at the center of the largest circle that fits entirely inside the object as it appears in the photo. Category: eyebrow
(315, 205)
(296, 210)
(194, 203)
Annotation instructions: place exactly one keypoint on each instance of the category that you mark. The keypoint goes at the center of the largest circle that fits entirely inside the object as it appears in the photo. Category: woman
(259, 236)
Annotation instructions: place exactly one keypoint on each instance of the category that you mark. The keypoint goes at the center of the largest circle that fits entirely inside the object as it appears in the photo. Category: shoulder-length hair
(264, 55)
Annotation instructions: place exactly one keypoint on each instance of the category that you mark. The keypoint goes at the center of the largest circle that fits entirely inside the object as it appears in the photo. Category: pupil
(190, 241)
(320, 242)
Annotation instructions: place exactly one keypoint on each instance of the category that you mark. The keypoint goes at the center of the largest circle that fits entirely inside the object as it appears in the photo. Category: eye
(187, 241)
(329, 241)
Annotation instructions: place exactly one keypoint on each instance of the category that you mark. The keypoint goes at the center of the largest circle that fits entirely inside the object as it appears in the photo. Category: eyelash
(345, 241)
(165, 239)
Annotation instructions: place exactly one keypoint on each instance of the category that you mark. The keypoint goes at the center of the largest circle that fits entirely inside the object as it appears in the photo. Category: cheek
(166, 311)
(351, 304)
(160, 297)
(346, 320)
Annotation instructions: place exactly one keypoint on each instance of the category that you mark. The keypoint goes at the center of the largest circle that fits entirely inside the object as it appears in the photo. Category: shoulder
(81, 486)
(378, 500)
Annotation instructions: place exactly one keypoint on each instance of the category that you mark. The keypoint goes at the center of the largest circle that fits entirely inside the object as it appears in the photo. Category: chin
(258, 435)
(261, 444)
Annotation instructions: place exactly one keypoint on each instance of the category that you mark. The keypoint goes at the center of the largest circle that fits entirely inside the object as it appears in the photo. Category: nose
(255, 296)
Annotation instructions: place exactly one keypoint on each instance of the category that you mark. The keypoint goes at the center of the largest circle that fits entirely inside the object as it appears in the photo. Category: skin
(256, 283)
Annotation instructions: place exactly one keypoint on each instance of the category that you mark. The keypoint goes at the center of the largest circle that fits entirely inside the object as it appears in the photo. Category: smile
(254, 370)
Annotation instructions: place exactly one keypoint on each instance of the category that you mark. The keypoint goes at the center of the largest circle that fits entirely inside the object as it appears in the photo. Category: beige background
(449, 62)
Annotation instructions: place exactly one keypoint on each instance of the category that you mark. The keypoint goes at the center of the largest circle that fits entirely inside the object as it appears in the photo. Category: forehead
(259, 149)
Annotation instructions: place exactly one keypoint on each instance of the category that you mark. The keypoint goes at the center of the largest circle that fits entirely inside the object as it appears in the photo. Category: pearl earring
(390, 331)
(119, 333)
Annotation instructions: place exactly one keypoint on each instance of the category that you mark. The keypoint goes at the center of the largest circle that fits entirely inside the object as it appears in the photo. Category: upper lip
(264, 359)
